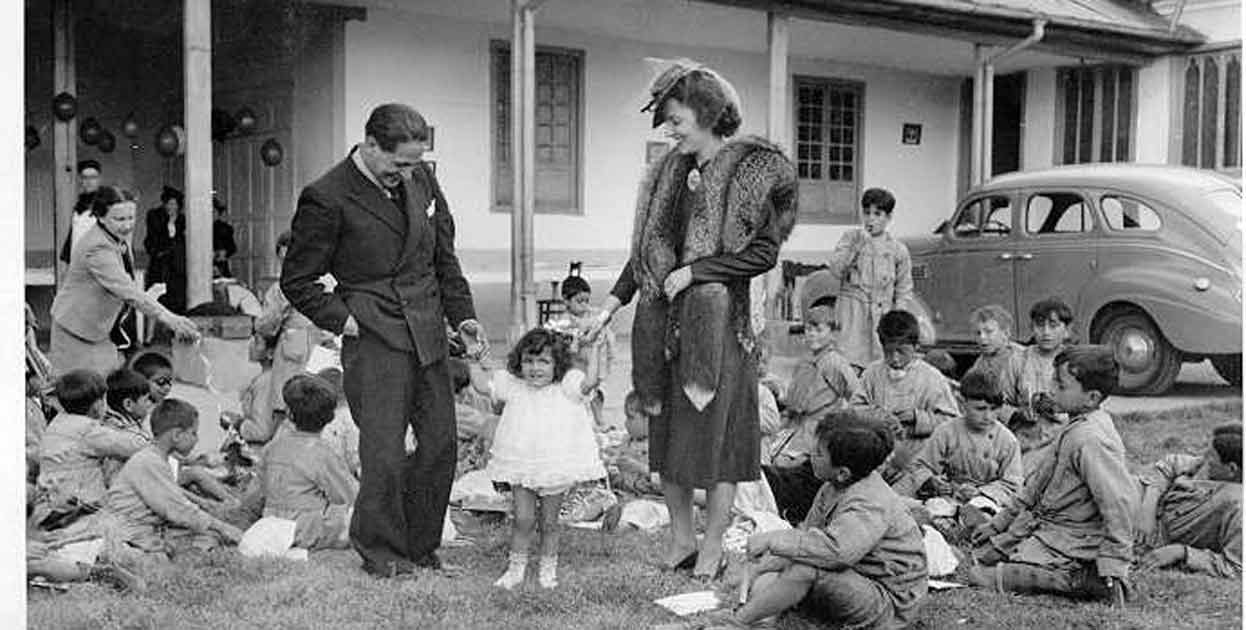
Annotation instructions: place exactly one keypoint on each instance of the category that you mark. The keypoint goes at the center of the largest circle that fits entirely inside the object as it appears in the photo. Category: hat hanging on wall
(245, 119)
(271, 152)
(130, 127)
(90, 132)
(32, 137)
(64, 106)
(107, 142)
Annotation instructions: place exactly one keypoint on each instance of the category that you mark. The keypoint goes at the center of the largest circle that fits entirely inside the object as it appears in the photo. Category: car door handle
(1005, 256)
(1025, 256)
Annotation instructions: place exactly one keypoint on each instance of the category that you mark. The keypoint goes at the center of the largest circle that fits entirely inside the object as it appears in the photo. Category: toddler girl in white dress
(544, 443)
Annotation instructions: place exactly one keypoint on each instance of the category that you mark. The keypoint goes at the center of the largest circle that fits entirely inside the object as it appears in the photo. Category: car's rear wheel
(1149, 364)
(1229, 367)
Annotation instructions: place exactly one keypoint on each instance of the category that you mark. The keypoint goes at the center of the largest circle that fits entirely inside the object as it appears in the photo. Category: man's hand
(350, 328)
(677, 281)
(1165, 556)
(474, 338)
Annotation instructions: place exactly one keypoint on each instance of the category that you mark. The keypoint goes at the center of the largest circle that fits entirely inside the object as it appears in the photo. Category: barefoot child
(1071, 530)
(857, 560)
(544, 442)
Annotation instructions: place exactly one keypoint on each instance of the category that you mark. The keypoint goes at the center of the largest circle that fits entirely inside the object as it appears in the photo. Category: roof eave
(989, 25)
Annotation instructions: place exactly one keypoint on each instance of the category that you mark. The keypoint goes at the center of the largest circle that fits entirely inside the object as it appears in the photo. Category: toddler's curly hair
(534, 342)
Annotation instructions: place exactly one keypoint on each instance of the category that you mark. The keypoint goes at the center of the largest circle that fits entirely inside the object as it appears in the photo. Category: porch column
(779, 129)
(197, 52)
(64, 133)
(523, 160)
(976, 171)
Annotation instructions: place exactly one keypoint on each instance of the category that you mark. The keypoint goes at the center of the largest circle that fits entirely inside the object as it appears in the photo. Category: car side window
(986, 217)
(1057, 213)
(1125, 214)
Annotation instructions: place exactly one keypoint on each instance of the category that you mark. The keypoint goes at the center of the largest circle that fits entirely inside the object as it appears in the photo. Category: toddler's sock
(548, 575)
(515, 569)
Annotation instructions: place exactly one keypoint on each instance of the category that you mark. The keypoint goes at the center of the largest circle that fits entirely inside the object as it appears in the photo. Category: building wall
(1038, 138)
(441, 66)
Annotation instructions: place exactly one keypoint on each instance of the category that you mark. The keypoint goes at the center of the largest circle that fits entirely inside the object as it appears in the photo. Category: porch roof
(1087, 28)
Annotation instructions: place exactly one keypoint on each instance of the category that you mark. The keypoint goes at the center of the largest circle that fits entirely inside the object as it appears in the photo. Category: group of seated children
(115, 465)
(1067, 520)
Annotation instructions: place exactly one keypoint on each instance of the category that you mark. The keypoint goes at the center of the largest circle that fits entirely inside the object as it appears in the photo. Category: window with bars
(1211, 111)
(1097, 114)
(828, 120)
(559, 88)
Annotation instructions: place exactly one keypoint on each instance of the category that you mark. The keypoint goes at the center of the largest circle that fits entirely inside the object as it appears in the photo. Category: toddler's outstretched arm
(592, 375)
(480, 377)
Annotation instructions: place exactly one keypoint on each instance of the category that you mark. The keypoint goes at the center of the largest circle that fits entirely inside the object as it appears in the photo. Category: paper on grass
(690, 603)
(940, 585)
(269, 536)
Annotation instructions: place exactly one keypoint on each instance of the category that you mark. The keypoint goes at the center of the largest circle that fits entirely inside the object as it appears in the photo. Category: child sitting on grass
(968, 457)
(858, 559)
(915, 395)
(147, 510)
(544, 442)
(302, 478)
(1000, 355)
(1071, 530)
(1027, 384)
(823, 381)
(158, 371)
(1192, 509)
(75, 447)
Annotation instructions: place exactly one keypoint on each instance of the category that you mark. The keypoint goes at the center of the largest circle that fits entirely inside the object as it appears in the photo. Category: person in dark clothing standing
(165, 243)
(379, 223)
(223, 245)
(83, 219)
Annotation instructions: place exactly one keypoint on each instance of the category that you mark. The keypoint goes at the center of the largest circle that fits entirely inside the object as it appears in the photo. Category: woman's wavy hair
(535, 342)
(109, 196)
(703, 93)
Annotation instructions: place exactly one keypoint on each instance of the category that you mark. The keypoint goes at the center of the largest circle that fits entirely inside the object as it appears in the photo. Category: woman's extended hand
(183, 327)
(677, 281)
(603, 319)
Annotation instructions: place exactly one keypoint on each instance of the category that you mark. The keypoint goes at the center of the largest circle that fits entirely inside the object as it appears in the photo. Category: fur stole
(749, 185)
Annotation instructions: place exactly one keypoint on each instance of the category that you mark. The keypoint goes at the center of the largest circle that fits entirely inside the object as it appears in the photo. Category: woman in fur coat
(710, 216)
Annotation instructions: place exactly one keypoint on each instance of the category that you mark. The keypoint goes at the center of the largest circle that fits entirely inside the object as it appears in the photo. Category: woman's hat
(670, 73)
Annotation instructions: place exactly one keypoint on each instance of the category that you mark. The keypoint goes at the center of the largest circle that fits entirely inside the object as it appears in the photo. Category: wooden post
(779, 128)
(523, 160)
(779, 121)
(197, 40)
(64, 133)
(979, 91)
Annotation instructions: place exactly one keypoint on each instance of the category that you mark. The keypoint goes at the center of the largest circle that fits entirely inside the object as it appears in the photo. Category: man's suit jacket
(398, 275)
(96, 287)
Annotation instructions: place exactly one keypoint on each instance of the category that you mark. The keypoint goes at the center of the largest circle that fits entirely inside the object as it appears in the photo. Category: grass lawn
(608, 581)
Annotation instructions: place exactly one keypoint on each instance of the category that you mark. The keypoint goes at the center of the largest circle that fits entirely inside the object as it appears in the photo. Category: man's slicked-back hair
(392, 124)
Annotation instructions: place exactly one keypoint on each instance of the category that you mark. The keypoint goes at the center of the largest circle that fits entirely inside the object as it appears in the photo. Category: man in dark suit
(379, 223)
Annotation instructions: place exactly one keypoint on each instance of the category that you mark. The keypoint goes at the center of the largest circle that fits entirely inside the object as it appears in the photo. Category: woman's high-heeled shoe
(689, 561)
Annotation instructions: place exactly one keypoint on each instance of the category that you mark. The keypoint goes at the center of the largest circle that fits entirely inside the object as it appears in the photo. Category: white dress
(545, 436)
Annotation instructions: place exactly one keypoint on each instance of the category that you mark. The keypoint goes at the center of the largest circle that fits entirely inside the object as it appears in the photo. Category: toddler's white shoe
(515, 570)
(548, 576)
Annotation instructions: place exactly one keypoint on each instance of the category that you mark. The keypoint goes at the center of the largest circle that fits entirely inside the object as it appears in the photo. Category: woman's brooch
(694, 179)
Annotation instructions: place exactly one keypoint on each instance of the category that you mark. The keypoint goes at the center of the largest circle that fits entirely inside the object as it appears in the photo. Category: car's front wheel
(1149, 364)
(1229, 367)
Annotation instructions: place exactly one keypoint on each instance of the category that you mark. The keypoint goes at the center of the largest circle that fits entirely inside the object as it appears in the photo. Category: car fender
(1194, 322)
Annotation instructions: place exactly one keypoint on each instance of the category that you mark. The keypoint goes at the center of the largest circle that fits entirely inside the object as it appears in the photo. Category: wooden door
(828, 148)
